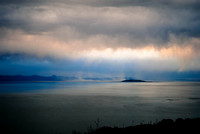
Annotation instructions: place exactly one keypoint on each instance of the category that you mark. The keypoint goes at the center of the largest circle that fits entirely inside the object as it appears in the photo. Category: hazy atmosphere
(99, 66)
(148, 39)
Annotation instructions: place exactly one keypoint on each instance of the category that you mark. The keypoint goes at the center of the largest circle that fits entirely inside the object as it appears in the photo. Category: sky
(143, 39)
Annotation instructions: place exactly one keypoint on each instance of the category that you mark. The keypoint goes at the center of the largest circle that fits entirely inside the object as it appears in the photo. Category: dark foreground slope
(165, 126)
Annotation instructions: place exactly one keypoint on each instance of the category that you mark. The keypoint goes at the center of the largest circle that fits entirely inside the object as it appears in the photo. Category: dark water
(60, 107)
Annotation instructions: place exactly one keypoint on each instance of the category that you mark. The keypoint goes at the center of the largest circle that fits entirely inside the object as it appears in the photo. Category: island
(133, 80)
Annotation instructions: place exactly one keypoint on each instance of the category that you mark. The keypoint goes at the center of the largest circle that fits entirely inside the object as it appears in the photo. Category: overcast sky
(101, 38)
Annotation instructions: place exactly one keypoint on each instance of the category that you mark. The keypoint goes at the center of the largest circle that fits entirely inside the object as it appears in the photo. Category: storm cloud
(143, 32)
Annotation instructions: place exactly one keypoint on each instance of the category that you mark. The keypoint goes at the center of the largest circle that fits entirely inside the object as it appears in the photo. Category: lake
(61, 107)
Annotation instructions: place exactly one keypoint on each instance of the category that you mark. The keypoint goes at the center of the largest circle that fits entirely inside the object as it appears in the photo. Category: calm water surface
(60, 107)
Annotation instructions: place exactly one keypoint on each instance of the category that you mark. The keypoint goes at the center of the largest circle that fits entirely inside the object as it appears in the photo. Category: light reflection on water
(53, 107)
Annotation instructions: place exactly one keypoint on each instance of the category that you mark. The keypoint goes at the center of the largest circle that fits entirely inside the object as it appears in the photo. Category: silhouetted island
(132, 80)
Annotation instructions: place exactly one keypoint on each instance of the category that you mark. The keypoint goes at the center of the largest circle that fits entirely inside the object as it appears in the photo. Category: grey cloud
(137, 22)
(106, 2)
(107, 23)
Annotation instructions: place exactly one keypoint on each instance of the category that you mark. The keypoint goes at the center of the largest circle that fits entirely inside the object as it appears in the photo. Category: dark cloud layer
(107, 2)
(137, 20)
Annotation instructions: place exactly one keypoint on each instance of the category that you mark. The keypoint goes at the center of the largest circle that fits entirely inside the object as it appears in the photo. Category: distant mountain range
(7, 78)
(47, 78)
(10, 78)
(34, 78)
